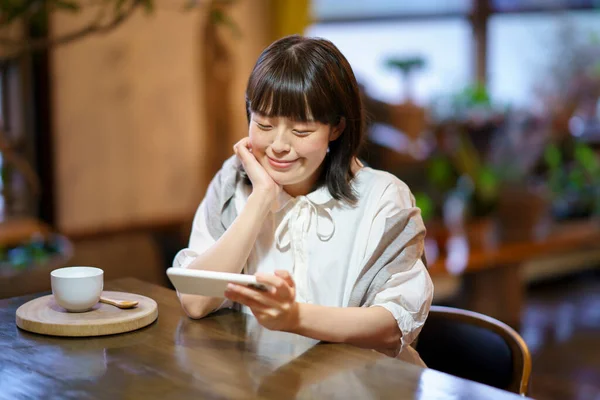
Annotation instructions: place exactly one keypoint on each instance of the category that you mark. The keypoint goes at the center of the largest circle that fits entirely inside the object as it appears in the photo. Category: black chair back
(475, 347)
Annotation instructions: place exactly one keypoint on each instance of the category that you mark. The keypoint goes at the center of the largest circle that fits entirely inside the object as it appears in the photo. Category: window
(330, 10)
(443, 44)
(526, 5)
(523, 46)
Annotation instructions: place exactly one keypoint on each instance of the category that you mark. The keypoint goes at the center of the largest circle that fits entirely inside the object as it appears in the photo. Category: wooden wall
(131, 138)
(127, 112)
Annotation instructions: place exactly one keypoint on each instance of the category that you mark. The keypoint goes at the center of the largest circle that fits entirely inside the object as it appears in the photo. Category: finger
(253, 294)
(254, 305)
(279, 286)
(269, 279)
(238, 144)
(238, 297)
(247, 143)
(246, 157)
(242, 144)
(285, 275)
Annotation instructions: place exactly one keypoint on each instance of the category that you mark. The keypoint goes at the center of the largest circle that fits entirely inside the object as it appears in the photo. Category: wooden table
(493, 283)
(227, 355)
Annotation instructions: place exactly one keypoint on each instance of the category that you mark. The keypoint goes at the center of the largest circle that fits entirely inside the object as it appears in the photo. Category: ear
(337, 130)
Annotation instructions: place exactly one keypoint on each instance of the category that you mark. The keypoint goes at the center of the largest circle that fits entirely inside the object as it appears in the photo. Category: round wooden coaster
(44, 316)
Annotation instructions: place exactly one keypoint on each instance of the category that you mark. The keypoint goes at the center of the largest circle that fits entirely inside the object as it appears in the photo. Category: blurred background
(115, 115)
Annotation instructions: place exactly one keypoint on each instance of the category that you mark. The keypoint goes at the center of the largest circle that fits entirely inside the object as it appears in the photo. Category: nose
(280, 142)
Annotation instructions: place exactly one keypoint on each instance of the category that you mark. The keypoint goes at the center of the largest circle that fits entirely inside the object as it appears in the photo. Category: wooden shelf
(17, 231)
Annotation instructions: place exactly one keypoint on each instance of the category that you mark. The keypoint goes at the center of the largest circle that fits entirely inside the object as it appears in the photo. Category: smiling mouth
(281, 164)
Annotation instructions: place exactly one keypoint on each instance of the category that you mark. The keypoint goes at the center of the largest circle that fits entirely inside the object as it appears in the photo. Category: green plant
(406, 66)
(472, 96)
(425, 203)
(573, 179)
(33, 15)
(37, 250)
(466, 123)
(473, 104)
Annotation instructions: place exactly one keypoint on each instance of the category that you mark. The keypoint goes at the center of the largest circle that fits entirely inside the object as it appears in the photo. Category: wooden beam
(390, 18)
(479, 23)
(399, 17)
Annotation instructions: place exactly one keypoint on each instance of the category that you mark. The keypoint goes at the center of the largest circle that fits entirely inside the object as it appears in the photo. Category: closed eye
(263, 127)
(302, 133)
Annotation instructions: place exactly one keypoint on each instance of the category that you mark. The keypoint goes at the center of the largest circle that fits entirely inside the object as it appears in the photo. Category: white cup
(77, 289)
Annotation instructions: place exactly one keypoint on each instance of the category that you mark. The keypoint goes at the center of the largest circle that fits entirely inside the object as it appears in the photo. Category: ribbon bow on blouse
(299, 219)
(296, 224)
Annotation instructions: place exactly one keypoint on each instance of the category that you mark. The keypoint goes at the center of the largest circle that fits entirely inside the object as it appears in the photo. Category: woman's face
(291, 152)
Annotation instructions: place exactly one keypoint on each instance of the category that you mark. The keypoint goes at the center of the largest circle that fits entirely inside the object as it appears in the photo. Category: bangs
(284, 87)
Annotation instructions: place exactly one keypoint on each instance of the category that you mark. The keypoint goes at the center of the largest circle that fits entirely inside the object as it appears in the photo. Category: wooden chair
(475, 347)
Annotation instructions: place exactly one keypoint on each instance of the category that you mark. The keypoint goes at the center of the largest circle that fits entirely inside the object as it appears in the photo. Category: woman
(339, 244)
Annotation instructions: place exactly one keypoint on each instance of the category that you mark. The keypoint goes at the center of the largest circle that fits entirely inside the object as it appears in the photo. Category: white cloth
(325, 245)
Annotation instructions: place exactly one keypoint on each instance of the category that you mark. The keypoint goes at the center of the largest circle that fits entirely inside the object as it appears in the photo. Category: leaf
(552, 156)
(11, 10)
(67, 5)
(119, 7)
(440, 172)
(406, 64)
(487, 183)
(148, 6)
(218, 16)
(480, 95)
(577, 178)
(424, 202)
(475, 95)
(585, 155)
(589, 161)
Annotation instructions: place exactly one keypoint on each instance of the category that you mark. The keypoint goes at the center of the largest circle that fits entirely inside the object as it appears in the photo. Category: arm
(389, 322)
(230, 252)
(368, 327)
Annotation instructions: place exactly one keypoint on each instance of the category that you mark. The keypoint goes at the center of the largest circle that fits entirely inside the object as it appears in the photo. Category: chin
(282, 178)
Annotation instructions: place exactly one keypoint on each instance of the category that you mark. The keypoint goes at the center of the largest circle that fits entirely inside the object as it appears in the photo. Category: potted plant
(406, 66)
(465, 183)
(573, 180)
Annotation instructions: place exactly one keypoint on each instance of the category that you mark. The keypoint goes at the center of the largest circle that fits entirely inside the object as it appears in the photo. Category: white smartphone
(209, 283)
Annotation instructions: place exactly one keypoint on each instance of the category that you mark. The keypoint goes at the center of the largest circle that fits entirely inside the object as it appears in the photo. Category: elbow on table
(390, 335)
(390, 344)
(394, 339)
(197, 308)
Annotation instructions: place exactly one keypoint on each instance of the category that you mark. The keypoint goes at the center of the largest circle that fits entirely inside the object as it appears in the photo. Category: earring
(327, 149)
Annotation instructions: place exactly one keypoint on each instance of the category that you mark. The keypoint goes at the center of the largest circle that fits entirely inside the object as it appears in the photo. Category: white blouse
(325, 244)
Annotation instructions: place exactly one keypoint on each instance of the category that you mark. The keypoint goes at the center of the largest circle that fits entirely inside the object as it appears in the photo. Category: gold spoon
(119, 303)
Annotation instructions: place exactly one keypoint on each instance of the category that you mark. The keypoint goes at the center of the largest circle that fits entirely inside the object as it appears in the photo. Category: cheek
(257, 141)
(312, 149)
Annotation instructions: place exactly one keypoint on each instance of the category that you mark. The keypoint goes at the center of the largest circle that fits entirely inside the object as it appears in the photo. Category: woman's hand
(262, 183)
(275, 309)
